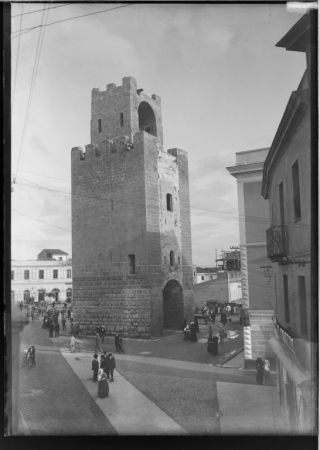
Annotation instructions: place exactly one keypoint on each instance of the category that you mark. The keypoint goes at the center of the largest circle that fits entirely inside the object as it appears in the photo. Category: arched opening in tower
(172, 306)
(147, 119)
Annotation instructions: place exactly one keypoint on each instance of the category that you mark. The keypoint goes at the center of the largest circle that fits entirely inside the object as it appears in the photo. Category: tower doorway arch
(147, 119)
(172, 306)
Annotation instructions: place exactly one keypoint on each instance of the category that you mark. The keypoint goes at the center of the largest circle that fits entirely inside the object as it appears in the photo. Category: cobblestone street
(55, 401)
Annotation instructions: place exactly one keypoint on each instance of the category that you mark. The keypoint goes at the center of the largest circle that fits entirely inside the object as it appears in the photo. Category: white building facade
(37, 278)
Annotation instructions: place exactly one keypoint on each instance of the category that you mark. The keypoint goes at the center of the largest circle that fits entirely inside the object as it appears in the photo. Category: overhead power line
(209, 212)
(33, 80)
(26, 30)
(39, 10)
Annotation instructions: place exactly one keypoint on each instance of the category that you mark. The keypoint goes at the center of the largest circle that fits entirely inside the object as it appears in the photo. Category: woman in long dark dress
(260, 370)
(103, 386)
(193, 335)
(196, 324)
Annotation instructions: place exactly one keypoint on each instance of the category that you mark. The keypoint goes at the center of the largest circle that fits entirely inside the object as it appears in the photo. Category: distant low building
(49, 254)
(214, 290)
(36, 278)
(201, 275)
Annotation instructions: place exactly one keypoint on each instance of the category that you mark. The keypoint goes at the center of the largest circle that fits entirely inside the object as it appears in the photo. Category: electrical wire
(39, 220)
(33, 79)
(26, 30)
(39, 10)
(17, 61)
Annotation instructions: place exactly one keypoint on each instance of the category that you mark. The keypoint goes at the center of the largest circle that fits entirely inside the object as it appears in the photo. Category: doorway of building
(55, 293)
(172, 306)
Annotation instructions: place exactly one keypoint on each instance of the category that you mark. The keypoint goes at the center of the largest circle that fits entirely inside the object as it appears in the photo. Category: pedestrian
(210, 345)
(21, 306)
(260, 370)
(106, 365)
(98, 343)
(186, 333)
(32, 353)
(56, 329)
(72, 343)
(63, 323)
(196, 325)
(210, 331)
(102, 332)
(112, 365)
(184, 324)
(213, 316)
(221, 335)
(51, 329)
(95, 367)
(120, 345)
(103, 386)
(116, 341)
(32, 314)
(223, 318)
(193, 335)
(69, 314)
(267, 375)
(215, 341)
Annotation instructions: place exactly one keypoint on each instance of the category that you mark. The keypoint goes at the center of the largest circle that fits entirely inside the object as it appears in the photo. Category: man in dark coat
(196, 325)
(120, 345)
(112, 365)
(260, 370)
(63, 323)
(223, 318)
(116, 342)
(95, 367)
(56, 329)
(213, 316)
(32, 353)
(51, 328)
(215, 341)
(193, 335)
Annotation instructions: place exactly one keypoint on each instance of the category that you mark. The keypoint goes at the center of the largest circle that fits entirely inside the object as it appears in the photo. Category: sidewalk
(249, 410)
(127, 409)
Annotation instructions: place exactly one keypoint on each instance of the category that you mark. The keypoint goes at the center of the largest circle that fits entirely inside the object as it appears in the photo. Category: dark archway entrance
(147, 119)
(172, 306)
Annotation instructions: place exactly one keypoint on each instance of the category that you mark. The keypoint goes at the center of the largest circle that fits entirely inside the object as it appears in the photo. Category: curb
(227, 358)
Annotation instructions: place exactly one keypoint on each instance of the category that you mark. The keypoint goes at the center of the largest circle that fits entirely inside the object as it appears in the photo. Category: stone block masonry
(129, 246)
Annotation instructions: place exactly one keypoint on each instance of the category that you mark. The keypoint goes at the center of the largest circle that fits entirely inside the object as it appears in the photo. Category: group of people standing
(190, 331)
(103, 371)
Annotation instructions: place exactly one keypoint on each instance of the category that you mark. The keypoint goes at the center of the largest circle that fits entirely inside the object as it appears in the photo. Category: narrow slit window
(178, 260)
(296, 191)
(99, 125)
(169, 202)
(132, 263)
(121, 120)
(171, 258)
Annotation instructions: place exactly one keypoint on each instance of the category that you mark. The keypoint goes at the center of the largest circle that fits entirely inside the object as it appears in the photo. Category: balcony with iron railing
(277, 242)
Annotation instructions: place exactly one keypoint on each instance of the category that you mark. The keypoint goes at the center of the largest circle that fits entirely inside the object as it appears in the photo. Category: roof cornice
(245, 168)
(297, 38)
(296, 107)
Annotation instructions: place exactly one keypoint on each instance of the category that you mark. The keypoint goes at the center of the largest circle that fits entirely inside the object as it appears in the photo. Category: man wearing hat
(112, 365)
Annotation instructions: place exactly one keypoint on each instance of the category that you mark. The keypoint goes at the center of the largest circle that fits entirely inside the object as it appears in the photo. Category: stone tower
(131, 233)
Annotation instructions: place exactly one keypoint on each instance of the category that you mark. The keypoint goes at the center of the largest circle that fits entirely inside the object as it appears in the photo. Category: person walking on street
(103, 386)
(116, 341)
(221, 335)
(56, 329)
(267, 375)
(213, 316)
(186, 333)
(210, 331)
(196, 325)
(98, 343)
(51, 328)
(223, 318)
(193, 334)
(72, 343)
(112, 365)
(95, 367)
(120, 345)
(260, 371)
(63, 323)
(32, 353)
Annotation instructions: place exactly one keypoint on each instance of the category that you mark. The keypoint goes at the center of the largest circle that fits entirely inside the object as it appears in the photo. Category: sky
(223, 85)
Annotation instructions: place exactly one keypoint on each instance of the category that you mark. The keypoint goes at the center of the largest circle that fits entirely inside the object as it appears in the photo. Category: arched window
(171, 258)
(26, 296)
(147, 119)
(169, 202)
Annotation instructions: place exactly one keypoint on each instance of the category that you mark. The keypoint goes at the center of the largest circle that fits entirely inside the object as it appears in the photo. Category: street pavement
(160, 387)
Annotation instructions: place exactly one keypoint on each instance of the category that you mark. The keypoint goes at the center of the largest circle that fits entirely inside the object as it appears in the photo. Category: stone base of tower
(257, 336)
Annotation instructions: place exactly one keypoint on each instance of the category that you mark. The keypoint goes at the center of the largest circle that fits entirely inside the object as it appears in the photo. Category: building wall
(34, 284)
(119, 209)
(211, 290)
